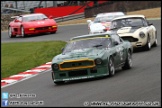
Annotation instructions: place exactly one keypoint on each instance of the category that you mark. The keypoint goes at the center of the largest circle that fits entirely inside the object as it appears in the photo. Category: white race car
(136, 29)
(102, 22)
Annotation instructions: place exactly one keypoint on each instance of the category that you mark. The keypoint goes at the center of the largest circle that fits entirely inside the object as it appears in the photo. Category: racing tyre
(10, 32)
(148, 44)
(155, 43)
(52, 75)
(22, 32)
(128, 62)
(111, 67)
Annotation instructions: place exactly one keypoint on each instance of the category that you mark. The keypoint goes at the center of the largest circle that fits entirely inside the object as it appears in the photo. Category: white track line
(20, 75)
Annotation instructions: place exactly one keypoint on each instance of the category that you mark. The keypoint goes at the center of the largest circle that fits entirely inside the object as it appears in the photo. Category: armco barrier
(69, 17)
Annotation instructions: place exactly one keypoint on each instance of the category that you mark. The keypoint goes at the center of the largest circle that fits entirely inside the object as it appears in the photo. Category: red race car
(29, 24)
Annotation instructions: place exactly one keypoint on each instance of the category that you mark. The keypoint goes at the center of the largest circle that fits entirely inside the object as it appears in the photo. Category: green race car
(91, 56)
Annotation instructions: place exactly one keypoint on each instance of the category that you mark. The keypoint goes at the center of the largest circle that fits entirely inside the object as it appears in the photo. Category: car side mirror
(89, 21)
(116, 43)
(50, 17)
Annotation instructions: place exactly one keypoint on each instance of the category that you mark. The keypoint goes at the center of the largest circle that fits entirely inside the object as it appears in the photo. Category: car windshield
(34, 17)
(105, 18)
(127, 22)
(87, 43)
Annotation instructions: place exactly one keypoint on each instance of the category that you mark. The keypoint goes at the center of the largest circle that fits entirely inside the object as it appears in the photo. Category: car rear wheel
(10, 32)
(111, 67)
(128, 62)
(148, 44)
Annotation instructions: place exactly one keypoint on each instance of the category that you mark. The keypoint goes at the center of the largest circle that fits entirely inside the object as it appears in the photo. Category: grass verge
(22, 56)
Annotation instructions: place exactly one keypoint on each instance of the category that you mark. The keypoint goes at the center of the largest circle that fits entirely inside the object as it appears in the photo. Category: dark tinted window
(87, 43)
(128, 22)
(19, 18)
(34, 17)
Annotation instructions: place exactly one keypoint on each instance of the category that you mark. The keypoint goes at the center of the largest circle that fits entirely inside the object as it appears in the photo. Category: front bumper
(40, 30)
(136, 42)
(97, 71)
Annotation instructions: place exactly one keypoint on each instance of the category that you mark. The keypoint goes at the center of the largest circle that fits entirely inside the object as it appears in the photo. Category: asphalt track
(142, 83)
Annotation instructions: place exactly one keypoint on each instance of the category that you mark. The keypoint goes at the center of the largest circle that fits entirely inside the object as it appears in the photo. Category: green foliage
(19, 57)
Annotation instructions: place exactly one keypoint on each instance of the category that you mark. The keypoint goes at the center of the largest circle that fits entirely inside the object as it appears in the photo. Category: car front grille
(130, 39)
(77, 73)
(76, 64)
(16, 29)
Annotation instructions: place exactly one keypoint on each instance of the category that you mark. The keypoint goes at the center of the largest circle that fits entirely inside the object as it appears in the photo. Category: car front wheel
(148, 44)
(111, 67)
(155, 43)
(52, 73)
(22, 31)
(128, 62)
(10, 32)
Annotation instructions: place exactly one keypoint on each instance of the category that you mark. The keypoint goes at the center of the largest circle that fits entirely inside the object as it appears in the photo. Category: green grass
(22, 56)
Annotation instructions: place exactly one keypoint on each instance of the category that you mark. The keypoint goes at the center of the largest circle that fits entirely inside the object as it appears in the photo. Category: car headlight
(55, 66)
(98, 61)
(142, 34)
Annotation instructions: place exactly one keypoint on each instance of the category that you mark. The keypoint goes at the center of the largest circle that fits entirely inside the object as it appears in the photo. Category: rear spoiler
(13, 17)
